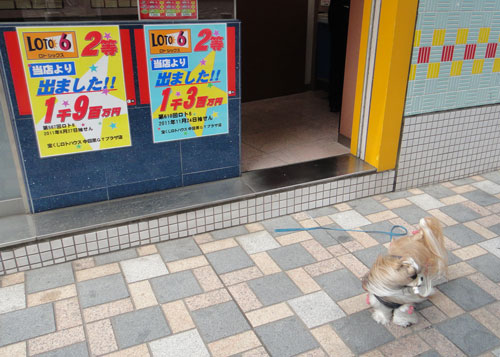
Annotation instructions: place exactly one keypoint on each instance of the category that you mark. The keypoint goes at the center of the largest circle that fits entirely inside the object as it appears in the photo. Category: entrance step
(102, 227)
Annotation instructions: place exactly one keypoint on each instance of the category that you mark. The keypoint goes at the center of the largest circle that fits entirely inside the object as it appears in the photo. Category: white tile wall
(57, 250)
(449, 145)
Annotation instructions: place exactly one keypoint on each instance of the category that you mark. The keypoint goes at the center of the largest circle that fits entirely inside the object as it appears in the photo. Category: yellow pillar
(360, 77)
(392, 65)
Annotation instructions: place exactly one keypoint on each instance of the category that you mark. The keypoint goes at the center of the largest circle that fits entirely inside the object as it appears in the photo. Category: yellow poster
(76, 87)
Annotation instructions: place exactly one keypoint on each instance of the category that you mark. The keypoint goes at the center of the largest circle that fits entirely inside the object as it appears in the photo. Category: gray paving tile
(275, 288)
(50, 277)
(142, 268)
(492, 245)
(438, 191)
(397, 195)
(487, 186)
(115, 256)
(432, 353)
(487, 264)
(367, 206)
(280, 222)
(361, 333)
(369, 255)
(460, 213)
(453, 259)
(287, 337)
(25, 324)
(325, 237)
(321, 212)
(76, 350)
(426, 201)
(340, 284)
(492, 176)
(338, 234)
(227, 260)
(257, 242)
(316, 309)
(481, 198)
(466, 294)
(462, 235)
(463, 181)
(102, 290)
(229, 232)
(496, 352)
(349, 219)
(175, 286)
(220, 321)
(411, 214)
(495, 228)
(384, 226)
(139, 326)
(468, 334)
(291, 256)
(188, 343)
(12, 298)
(422, 305)
(178, 249)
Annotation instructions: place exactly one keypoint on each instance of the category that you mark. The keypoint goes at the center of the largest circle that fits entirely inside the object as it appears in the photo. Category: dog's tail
(434, 240)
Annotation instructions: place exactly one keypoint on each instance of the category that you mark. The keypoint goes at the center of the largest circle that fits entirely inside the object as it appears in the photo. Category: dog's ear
(408, 265)
(417, 236)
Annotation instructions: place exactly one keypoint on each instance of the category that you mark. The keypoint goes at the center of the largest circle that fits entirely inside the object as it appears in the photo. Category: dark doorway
(273, 47)
(286, 117)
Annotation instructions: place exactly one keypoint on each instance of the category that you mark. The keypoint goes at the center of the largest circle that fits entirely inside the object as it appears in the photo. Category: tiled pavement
(250, 291)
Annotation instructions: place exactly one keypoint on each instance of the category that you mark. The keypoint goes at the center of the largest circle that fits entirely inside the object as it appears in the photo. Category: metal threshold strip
(20, 229)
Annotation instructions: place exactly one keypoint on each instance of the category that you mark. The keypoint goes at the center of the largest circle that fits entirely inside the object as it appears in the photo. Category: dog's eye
(413, 277)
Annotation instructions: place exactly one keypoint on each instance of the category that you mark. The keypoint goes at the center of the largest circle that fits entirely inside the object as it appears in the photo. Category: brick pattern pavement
(249, 291)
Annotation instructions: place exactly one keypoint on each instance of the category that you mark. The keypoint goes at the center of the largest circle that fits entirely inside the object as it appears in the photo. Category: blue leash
(391, 234)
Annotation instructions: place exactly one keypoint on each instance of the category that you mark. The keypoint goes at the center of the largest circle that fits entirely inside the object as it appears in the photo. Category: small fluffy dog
(405, 275)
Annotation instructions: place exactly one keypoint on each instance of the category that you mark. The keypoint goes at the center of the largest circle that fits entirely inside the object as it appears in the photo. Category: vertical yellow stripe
(477, 67)
(416, 42)
(456, 68)
(484, 35)
(462, 35)
(438, 37)
(413, 72)
(390, 79)
(496, 65)
(433, 70)
(365, 30)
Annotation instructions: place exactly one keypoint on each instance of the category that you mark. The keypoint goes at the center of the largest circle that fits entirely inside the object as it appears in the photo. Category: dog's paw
(404, 316)
(401, 322)
(380, 317)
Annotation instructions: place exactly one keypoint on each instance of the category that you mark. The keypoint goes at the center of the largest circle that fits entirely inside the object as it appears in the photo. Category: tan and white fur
(406, 274)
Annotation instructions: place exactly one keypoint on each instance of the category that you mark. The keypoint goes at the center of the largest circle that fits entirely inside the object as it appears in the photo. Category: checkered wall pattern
(444, 146)
(33, 255)
(455, 60)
